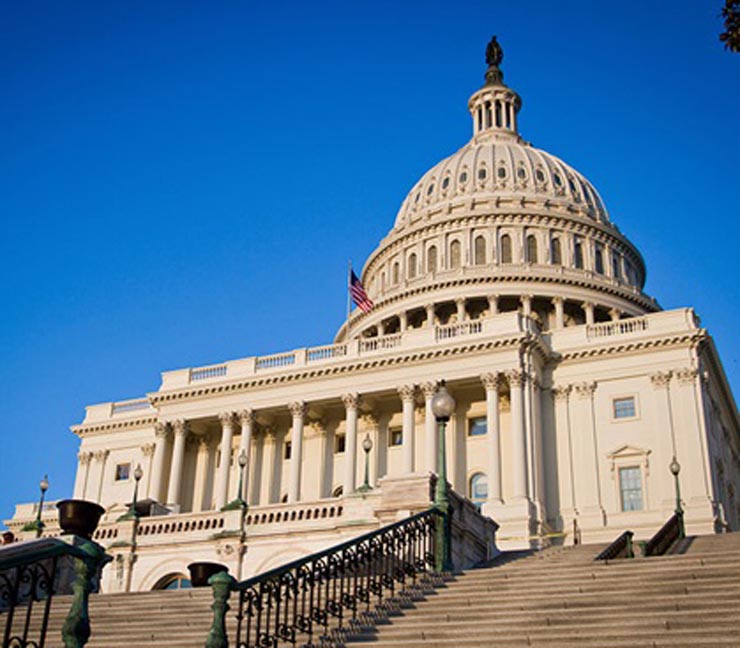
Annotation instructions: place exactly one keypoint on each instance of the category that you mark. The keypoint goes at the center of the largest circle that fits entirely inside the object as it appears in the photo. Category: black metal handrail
(29, 579)
(305, 600)
(620, 548)
(666, 536)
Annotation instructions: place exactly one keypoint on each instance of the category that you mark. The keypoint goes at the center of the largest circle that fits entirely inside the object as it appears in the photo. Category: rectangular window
(477, 426)
(339, 443)
(288, 447)
(395, 436)
(123, 471)
(630, 487)
(624, 407)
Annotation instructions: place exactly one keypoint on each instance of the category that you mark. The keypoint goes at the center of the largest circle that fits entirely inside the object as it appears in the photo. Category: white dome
(490, 167)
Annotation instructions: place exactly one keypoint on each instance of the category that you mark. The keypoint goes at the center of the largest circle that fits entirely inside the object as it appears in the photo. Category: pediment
(628, 450)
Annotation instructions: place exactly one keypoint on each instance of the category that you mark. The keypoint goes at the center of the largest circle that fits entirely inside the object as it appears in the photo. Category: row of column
(558, 304)
(407, 393)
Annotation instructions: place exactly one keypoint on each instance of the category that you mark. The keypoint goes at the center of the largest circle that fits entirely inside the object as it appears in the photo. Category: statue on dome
(494, 56)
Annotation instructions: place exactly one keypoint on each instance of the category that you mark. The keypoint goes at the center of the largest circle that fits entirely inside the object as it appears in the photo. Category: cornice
(108, 426)
(369, 364)
(629, 346)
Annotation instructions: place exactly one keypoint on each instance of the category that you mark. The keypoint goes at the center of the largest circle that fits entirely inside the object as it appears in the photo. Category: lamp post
(243, 459)
(44, 486)
(367, 446)
(443, 407)
(675, 468)
(133, 514)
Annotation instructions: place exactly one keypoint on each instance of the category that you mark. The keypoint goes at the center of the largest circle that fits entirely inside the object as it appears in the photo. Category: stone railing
(273, 361)
(299, 512)
(449, 331)
(618, 327)
(133, 405)
(204, 373)
(327, 352)
(382, 342)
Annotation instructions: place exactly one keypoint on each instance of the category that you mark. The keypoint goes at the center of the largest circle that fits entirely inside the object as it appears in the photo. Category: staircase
(556, 598)
(561, 598)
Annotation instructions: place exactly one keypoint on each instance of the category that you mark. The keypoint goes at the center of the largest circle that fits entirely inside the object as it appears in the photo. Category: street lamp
(44, 486)
(133, 514)
(675, 468)
(443, 407)
(367, 446)
(243, 459)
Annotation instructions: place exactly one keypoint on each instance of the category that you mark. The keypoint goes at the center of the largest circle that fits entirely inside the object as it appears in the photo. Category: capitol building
(504, 275)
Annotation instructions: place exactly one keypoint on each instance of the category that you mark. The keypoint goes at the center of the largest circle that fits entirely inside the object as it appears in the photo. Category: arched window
(432, 259)
(556, 254)
(412, 265)
(396, 272)
(506, 249)
(480, 250)
(478, 489)
(578, 254)
(173, 581)
(455, 254)
(599, 260)
(532, 249)
(337, 492)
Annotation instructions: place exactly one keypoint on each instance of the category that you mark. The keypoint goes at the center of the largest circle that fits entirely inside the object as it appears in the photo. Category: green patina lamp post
(675, 468)
(38, 525)
(132, 513)
(367, 446)
(443, 407)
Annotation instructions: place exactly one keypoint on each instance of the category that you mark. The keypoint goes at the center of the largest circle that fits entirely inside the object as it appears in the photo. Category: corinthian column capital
(561, 392)
(516, 377)
(491, 380)
(407, 392)
(661, 379)
(297, 409)
(180, 427)
(351, 401)
(226, 418)
(586, 389)
(428, 389)
(161, 429)
(246, 416)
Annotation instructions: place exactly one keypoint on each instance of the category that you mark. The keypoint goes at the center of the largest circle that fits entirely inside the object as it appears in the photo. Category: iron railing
(666, 536)
(620, 548)
(310, 601)
(31, 575)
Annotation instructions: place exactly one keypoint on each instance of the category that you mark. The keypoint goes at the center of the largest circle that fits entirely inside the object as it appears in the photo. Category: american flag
(358, 294)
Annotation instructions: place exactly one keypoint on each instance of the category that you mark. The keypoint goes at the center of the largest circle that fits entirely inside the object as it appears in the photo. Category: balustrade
(620, 327)
(204, 373)
(272, 361)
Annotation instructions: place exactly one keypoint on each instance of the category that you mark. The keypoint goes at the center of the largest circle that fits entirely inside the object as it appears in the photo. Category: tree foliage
(731, 15)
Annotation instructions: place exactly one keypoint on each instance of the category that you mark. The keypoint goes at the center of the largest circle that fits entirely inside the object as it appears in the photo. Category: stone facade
(503, 275)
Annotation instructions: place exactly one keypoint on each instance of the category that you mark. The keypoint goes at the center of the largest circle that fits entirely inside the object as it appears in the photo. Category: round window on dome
(482, 173)
(445, 183)
(502, 172)
(418, 195)
(430, 189)
(463, 177)
(521, 173)
(572, 185)
(539, 175)
(558, 180)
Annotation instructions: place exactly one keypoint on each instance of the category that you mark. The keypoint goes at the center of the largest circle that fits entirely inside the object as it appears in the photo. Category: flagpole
(349, 296)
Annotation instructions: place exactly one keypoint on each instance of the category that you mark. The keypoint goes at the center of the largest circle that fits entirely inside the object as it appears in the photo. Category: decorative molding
(246, 416)
(101, 455)
(686, 376)
(161, 429)
(226, 418)
(661, 379)
(148, 449)
(351, 401)
(586, 389)
(370, 420)
(298, 409)
(428, 389)
(491, 381)
(84, 458)
(516, 377)
(407, 393)
(180, 427)
(562, 392)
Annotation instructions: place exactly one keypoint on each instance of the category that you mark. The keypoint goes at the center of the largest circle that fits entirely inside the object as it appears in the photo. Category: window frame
(471, 421)
(392, 432)
(127, 478)
(622, 419)
(622, 469)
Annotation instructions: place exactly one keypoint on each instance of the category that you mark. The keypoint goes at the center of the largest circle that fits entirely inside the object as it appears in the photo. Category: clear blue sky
(183, 182)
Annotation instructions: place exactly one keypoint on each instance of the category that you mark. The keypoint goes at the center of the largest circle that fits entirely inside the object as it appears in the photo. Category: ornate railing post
(76, 628)
(222, 584)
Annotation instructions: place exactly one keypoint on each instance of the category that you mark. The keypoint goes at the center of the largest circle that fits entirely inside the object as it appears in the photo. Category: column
(222, 476)
(661, 381)
(564, 443)
(491, 383)
(351, 402)
(588, 483)
(180, 429)
(429, 389)
(83, 471)
(246, 419)
(430, 315)
(100, 457)
(403, 321)
(493, 304)
(460, 303)
(200, 500)
(161, 432)
(407, 392)
(518, 442)
(526, 305)
(298, 412)
(372, 425)
(147, 451)
(588, 311)
(558, 303)
(269, 448)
